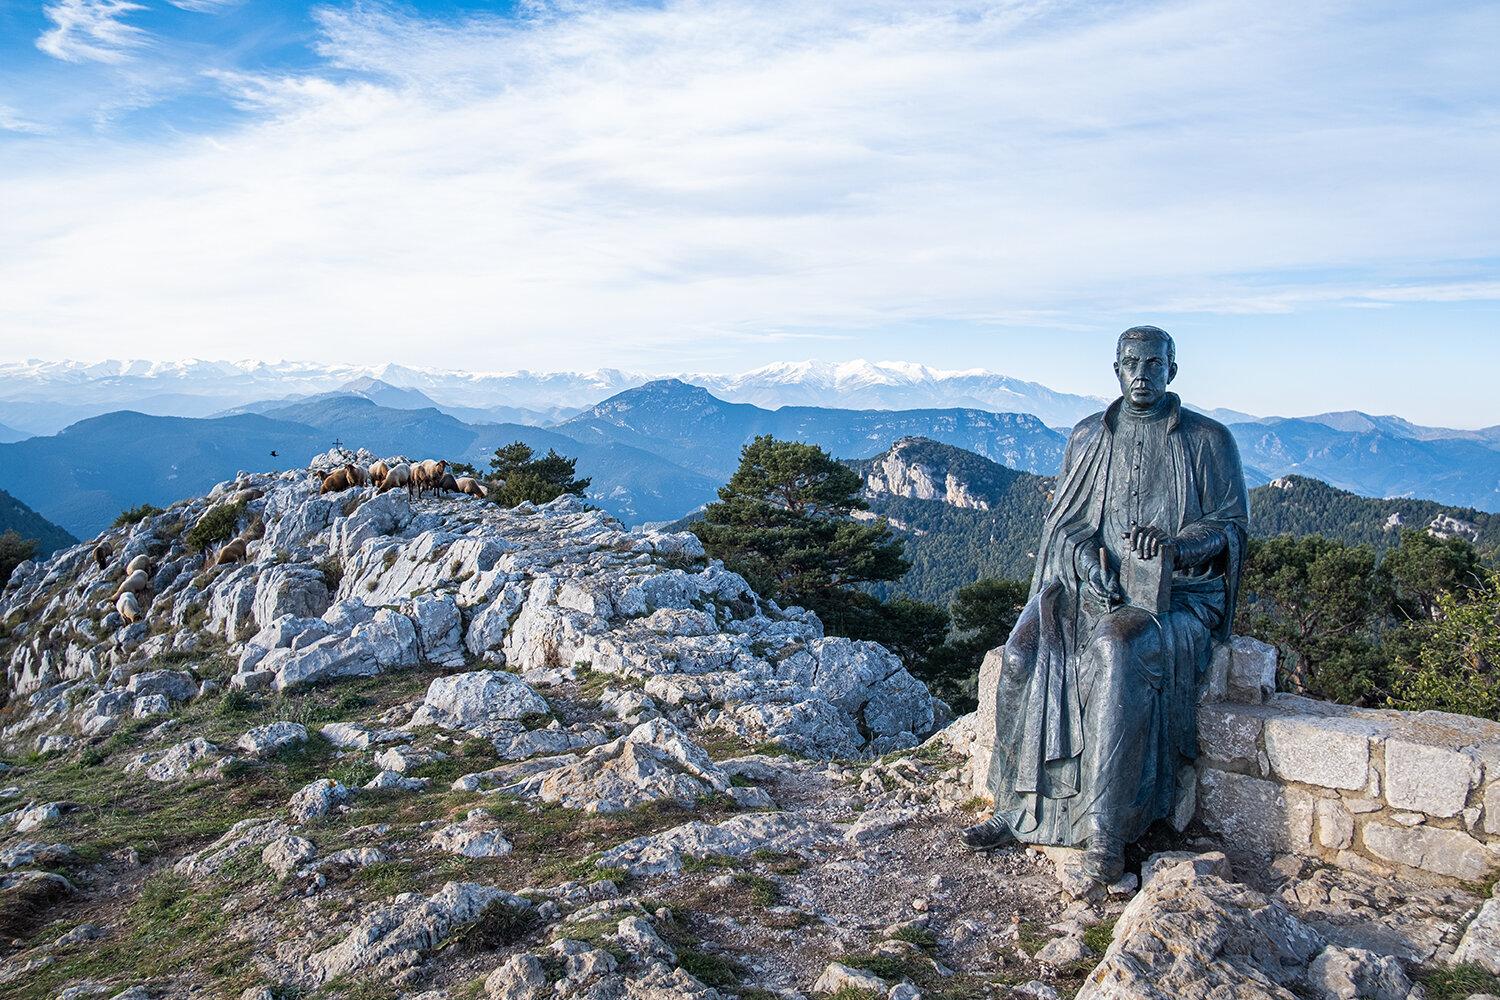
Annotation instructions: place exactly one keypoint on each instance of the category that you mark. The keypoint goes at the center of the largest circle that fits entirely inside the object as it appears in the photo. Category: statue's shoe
(992, 833)
(1104, 860)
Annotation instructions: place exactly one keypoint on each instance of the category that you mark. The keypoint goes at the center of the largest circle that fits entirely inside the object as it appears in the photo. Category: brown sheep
(102, 552)
(358, 475)
(247, 495)
(128, 607)
(447, 483)
(338, 481)
(136, 582)
(397, 475)
(141, 562)
(472, 486)
(233, 552)
(428, 475)
(378, 469)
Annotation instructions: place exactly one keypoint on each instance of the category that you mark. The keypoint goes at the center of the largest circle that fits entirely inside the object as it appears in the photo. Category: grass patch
(1458, 982)
(1097, 937)
(919, 936)
(389, 878)
(761, 890)
(1031, 936)
(697, 866)
(710, 970)
(499, 926)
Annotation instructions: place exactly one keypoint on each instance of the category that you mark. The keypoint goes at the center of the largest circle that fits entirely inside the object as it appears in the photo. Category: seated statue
(1136, 576)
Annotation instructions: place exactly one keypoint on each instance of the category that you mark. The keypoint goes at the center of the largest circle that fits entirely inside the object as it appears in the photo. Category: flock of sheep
(415, 476)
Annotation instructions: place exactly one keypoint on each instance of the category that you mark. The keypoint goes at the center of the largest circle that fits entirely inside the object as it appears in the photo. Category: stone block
(1254, 813)
(1318, 750)
(1252, 671)
(1492, 808)
(1428, 779)
(1335, 824)
(1227, 735)
(1446, 852)
(984, 720)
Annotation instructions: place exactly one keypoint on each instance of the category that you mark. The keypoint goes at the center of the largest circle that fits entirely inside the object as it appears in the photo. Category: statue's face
(1144, 371)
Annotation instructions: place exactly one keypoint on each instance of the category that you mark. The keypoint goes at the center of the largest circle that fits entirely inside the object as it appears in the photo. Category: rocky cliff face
(438, 748)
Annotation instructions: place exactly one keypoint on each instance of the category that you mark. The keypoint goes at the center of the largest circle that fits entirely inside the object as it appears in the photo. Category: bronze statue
(1136, 576)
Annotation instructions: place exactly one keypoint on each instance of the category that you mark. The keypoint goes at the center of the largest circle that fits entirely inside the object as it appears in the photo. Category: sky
(1303, 194)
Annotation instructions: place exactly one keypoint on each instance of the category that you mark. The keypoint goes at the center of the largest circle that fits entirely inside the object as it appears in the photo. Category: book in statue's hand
(1148, 582)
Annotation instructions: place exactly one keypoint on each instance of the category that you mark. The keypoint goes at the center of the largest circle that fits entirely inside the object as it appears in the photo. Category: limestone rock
(476, 837)
(246, 833)
(148, 705)
(394, 936)
(439, 628)
(1481, 940)
(316, 799)
(838, 976)
(174, 685)
(289, 589)
(654, 762)
(522, 977)
(736, 837)
(36, 817)
(1209, 863)
(267, 739)
(172, 764)
(284, 854)
(480, 702)
(1197, 937)
(1351, 973)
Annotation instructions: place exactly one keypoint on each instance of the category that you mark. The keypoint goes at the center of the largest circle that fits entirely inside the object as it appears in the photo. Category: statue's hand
(1102, 582)
(1147, 542)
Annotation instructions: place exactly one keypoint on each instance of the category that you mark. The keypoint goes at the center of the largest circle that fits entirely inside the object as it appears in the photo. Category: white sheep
(136, 582)
(128, 607)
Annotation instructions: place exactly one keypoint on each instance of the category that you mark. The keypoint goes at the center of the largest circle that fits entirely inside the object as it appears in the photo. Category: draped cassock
(1095, 706)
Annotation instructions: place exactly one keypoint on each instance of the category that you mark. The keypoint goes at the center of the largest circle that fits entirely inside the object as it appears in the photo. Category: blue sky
(1303, 194)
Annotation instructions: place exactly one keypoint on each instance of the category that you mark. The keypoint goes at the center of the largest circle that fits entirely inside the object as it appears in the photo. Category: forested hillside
(951, 547)
(16, 516)
(1297, 505)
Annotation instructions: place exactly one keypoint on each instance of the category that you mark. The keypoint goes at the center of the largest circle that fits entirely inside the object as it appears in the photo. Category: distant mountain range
(654, 451)
(42, 397)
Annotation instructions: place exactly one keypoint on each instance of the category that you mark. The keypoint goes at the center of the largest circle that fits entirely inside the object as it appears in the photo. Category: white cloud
(205, 6)
(12, 121)
(90, 30)
(597, 183)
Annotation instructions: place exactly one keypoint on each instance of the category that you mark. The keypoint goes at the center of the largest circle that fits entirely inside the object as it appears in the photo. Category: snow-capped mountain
(41, 397)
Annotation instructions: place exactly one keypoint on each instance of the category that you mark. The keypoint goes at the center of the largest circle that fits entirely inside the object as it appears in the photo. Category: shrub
(135, 515)
(218, 525)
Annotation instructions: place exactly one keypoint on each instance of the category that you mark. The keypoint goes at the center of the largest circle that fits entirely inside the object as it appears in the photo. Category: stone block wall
(1371, 789)
(1359, 788)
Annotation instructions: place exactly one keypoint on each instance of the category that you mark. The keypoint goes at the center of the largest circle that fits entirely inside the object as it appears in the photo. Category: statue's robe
(1096, 705)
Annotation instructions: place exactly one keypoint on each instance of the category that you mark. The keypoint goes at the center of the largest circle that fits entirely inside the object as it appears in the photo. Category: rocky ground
(434, 748)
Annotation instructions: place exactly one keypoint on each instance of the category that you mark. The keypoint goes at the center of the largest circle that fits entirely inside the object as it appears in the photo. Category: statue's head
(1145, 362)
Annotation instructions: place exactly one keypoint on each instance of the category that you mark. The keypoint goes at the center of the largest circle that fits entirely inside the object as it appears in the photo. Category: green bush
(218, 525)
(135, 515)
